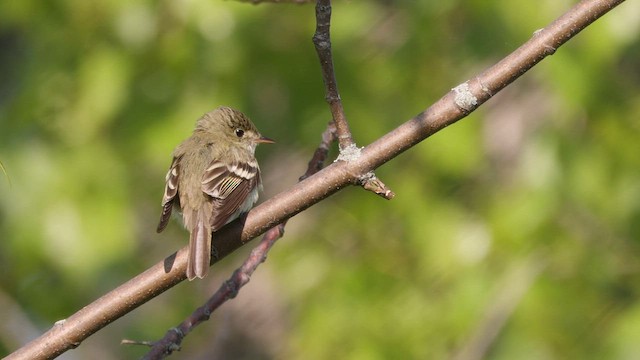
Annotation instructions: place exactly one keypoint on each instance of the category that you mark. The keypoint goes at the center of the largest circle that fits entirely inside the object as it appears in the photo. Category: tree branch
(446, 111)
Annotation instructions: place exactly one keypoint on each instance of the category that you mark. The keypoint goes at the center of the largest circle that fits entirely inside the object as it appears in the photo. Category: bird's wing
(230, 186)
(170, 191)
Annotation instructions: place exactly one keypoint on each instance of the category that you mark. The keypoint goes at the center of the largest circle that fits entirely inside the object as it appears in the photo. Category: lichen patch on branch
(464, 98)
(349, 153)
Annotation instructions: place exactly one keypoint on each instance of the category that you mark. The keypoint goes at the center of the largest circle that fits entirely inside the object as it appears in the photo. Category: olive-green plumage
(214, 177)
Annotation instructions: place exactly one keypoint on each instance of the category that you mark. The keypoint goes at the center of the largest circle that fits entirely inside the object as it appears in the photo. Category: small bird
(213, 179)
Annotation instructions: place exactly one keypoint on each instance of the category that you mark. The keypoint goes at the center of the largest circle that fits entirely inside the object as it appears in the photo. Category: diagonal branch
(450, 108)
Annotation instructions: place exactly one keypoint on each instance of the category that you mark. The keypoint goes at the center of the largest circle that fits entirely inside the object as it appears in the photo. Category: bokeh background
(514, 233)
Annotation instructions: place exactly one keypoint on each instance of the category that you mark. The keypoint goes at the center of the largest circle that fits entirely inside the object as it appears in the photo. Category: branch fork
(349, 151)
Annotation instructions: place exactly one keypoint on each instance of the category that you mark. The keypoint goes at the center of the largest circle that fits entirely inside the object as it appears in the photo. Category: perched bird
(214, 178)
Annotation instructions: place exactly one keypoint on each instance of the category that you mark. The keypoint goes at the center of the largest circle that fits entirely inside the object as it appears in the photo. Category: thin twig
(348, 149)
(172, 340)
(371, 183)
(314, 189)
(228, 290)
(320, 155)
(322, 43)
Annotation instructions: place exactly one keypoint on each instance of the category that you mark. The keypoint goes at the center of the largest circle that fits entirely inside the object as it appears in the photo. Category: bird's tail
(199, 246)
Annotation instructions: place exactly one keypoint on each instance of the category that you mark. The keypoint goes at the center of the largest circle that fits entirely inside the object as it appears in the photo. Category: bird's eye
(239, 133)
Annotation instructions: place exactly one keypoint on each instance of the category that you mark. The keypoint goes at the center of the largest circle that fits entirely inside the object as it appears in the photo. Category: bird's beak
(264, 140)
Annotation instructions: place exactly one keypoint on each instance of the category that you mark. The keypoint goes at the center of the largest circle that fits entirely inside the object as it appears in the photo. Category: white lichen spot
(464, 98)
(60, 322)
(350, 153)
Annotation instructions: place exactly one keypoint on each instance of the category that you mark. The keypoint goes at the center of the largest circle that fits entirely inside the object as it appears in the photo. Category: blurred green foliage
(527, 211)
